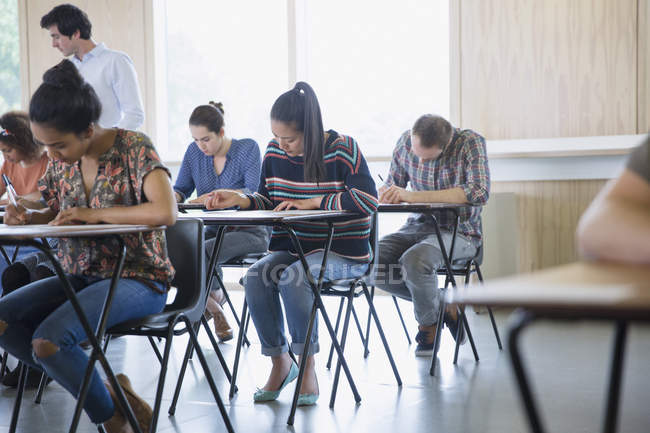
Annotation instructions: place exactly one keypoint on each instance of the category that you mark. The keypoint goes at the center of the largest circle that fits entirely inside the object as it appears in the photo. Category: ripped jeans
(41, 310)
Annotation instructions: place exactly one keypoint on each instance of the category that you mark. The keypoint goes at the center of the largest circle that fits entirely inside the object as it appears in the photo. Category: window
(224, 51)
(9, 57)
(375, 65)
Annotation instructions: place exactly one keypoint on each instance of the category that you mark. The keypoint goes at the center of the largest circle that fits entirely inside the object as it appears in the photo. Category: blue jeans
(10, 249)
(40, 310)
(408, 265)
(282, 274)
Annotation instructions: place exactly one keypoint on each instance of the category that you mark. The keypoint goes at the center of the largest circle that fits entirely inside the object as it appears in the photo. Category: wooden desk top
(578, 287)
(419, 207)
(261, 217)
(43, 230)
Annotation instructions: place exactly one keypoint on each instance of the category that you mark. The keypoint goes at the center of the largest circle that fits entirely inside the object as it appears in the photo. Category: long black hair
(64, 101)
(299, 108)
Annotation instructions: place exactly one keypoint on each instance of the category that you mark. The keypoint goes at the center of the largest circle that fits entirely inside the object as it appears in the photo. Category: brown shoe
(218, 296)
(221, 326)
(141, 409)
(424, 338)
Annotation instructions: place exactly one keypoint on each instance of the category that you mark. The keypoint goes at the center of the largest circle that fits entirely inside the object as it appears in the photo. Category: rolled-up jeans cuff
(298, 348)
(275, 351)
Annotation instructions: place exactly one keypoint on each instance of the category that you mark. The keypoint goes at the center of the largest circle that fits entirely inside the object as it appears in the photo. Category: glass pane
(9, 56)
(377, 65)
(225, 51)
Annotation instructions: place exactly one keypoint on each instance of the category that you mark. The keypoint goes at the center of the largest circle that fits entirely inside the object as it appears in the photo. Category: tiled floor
(568, 364)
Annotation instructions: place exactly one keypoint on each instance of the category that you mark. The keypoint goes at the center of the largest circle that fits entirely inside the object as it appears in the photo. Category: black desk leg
(318, 304)
(520, 320)
(614, 388)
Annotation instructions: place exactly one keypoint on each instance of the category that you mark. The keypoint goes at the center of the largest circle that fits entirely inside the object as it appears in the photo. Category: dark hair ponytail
(64, 101)
(299, 107)
(210, 116)
(18, 135)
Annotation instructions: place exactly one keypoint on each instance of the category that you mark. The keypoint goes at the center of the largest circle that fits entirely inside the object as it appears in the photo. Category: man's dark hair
(68, 18)
(432, 130)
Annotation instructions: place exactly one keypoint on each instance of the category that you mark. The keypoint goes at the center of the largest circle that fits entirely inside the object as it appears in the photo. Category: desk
(26, 235)
(597, 291)
(285, 219)
(431, 209)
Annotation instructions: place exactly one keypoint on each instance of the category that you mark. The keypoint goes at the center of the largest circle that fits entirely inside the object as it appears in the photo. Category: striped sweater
(348, 187)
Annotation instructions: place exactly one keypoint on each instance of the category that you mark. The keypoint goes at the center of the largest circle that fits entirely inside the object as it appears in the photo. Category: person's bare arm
(160, 208)
(616, 226)
(395, 194)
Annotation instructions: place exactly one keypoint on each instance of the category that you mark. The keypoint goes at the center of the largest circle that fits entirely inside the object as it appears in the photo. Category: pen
(11, 192)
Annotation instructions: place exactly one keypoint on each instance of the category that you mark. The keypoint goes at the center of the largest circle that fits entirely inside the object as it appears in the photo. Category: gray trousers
(244, 240)
(408, 264)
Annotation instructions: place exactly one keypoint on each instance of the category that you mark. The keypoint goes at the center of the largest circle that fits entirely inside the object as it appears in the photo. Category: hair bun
(218, 106)
(65, 74)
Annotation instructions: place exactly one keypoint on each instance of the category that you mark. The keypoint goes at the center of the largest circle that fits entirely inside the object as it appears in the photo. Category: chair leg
(215, 346)
(401, 319)
(153, 346)
(367, 339)
(344, 335)
(3, 366)
(230, 304)
(336, 330)
(356, 321)
(240, 339)
(208, 375)
(41, 388)
(436, 338)
(179, 381)
(161, 379)
(494, 323)
(373, 311)
(19, 396)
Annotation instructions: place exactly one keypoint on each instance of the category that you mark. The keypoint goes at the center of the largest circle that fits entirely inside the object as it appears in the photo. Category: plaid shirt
(463, 163)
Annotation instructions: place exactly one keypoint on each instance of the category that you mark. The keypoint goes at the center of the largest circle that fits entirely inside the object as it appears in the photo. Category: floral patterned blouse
(119, 182)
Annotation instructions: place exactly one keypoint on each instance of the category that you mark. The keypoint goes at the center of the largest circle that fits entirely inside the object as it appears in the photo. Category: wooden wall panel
(643, 79)
(551, 68)
(548, 216)
(120, 24)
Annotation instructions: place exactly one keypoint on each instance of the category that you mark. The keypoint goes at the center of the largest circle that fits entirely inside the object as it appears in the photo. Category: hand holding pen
(11, 192)
(14, 214)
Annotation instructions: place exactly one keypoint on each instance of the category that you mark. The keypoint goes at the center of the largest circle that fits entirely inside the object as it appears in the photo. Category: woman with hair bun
(95, 175)
(304, 167)
(215, 161)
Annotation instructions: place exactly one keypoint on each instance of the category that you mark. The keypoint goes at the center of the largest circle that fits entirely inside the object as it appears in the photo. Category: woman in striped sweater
(304, 167)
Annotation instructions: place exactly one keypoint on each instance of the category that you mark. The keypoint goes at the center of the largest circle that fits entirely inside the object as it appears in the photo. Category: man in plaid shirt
(442, 164)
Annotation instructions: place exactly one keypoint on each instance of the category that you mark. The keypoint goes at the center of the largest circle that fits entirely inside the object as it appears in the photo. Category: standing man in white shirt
(111, 73)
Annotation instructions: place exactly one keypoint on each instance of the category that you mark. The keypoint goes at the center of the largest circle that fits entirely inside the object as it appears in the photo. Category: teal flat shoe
(307, 399)
(264, 395)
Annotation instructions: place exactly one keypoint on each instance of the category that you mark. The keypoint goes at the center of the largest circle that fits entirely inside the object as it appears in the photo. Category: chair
(347, 289)
(185, 247)
(237, 262)
(462, 267)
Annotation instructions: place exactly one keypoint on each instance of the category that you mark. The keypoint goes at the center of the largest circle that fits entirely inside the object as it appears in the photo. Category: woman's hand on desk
(201, 199)
(17, 216)
(394, 194)
(308, 203)
(77, 215)
(225, 198)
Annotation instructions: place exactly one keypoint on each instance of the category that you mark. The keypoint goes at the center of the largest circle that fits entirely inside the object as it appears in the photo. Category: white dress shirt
(112, 75)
